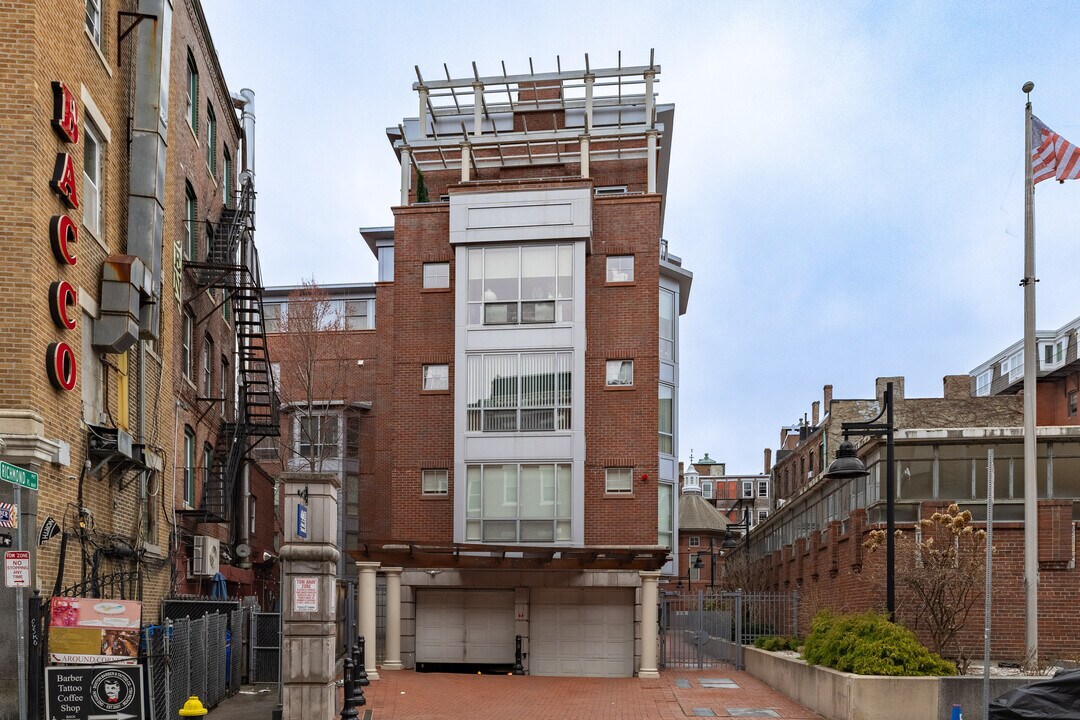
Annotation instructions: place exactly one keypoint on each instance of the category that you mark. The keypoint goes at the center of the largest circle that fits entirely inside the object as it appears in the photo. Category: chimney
(768, 460)
(826, 404)
(816, 413)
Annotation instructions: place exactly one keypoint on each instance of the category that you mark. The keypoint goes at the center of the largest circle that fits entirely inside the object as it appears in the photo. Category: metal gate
(708, 629)
(265, 644)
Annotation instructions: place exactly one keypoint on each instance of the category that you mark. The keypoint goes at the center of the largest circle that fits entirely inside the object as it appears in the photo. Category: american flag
(1052, 155)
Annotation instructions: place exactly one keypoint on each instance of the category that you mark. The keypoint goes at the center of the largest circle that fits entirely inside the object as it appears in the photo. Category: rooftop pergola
(511, 557)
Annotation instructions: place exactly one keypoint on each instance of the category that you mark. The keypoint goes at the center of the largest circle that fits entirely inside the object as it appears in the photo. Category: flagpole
(1031, 485)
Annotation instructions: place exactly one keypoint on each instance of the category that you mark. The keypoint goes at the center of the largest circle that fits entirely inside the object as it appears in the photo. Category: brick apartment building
(93, 393)
(516, 394)
(1057, 376)
(813, 541)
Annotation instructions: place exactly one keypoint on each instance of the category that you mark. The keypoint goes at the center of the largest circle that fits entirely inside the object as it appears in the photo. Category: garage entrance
(584, 632)
(464, 627)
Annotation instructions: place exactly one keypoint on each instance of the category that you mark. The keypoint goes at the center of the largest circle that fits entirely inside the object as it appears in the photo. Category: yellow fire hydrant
(193, 708)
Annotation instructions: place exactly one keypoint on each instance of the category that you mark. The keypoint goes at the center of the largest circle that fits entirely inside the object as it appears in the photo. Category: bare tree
(939, 573)
(311, 375)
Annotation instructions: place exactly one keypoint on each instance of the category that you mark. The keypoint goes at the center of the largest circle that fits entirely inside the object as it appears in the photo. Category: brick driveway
(406, 695)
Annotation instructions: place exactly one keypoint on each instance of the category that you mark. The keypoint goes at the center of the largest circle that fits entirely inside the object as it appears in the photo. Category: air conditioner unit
(206, 558)
(107, 442)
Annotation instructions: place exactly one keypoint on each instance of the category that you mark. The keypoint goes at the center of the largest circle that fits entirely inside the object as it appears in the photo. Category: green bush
(868, 644)
(772, 643)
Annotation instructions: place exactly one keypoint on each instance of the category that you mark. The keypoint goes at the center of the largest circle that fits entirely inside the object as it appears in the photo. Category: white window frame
(189, 466)
(707, 489)
(92, 195)
(93, 20)
(693, 541)
(187, 339)
(762, 515)
(435, 376)
(763, 488)
(273, 313)
(482, 301)
(619, 481)
(1057, 350)
(435, 481)
(665, 509)
(666, 439)
(615, 375)
(223, 384)
(489, 410)
(668, 349)
(620, 268)
(1013, 366)
(325, 420)
(191, 112)
(475, 518)
(437, 276)
(211, 140)
(208, 357)
(748, 488)
(982, 382)
(352, 318)
(191, 222)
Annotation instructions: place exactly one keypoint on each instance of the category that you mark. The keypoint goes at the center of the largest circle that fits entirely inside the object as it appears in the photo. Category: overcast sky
(846, 180)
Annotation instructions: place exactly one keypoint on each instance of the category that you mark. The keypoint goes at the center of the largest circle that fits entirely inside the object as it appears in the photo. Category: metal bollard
(361, 664)
(348, 708)
(358, 694)
(519, 669)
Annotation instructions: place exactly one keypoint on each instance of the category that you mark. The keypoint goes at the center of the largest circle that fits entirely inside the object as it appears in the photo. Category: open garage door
(582, 632)
(465, 626)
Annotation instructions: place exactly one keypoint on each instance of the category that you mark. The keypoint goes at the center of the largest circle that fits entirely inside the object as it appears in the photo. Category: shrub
(868, 644)
(773, 643)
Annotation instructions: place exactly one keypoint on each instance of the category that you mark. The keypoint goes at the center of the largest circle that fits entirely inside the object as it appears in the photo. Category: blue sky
(846, 180)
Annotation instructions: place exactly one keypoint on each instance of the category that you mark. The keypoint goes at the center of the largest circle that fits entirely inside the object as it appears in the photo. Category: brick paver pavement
(407, 695)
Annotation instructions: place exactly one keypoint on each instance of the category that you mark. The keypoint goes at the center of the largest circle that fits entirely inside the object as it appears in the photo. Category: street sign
(18, 476)
(17, 568)
(305, 594)
(9, 515)
(301, 521)
(100, 692)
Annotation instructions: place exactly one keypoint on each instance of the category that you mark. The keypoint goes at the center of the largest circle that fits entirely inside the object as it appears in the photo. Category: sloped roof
(696, 513)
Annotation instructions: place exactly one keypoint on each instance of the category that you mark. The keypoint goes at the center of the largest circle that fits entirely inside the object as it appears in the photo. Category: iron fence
(709, 629)
(265, 645)
(380, 622)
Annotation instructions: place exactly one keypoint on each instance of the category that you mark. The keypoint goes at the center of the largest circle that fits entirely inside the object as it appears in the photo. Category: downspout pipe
(244, 101)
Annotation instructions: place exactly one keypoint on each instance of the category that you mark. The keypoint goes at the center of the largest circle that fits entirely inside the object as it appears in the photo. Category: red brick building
(518, 456)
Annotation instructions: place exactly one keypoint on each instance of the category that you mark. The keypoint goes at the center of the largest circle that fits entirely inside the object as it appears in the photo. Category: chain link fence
(265, 643)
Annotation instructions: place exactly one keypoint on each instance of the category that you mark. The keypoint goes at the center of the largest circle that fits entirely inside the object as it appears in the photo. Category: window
(208, 367)
(211, 139)
(748, 488)
(667, 325)
(359, 315)
(518, 503)
(90, 375)
(763, 488)
(192, 111)
(436, 377)
(437, 275)
(695, 572)
(665, 515)
(982, 383)
(666, 428)
(707, 489)
(186, 351)
(386, 263)
(272, 315)
(1013, 366)
(611, 190)
(620, 268)
(521, 285)
(761, 515)
(693, 541)
(207, 462)
(189, 466)
(93, 20)
(190, 213)
(620, 373)
(434, 482)
(92, 177)
(1052, 354)
(526, 392)
(619, 481)
(226, 176)
(1071, 400)
(223, 385)
(317, 436)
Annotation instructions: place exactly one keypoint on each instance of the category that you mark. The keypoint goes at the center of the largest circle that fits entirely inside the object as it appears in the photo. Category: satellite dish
(243, 551)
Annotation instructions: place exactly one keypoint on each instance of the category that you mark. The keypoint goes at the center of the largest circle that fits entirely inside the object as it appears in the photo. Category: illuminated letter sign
(63, 182)
(64, 235)
(61, 366)
(61, 297)
(65, 113)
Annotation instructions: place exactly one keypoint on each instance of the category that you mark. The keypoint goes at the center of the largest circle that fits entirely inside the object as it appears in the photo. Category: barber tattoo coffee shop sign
(103, 692)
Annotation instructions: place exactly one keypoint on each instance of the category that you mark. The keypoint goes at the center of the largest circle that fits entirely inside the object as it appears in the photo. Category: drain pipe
(244, 101)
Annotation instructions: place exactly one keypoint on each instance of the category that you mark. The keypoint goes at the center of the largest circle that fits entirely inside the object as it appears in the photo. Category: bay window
(317, 436)
(524, 503)
(667, 325)
(521, 285)
(526, 392)
(666, 426)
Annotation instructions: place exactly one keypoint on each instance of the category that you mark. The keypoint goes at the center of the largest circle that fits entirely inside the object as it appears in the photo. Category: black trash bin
(1057, 697)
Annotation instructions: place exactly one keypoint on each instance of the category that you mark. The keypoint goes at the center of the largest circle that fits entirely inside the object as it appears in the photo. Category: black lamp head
(847, 464)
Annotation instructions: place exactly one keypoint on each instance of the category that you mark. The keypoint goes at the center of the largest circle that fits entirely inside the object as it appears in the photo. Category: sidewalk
(678, 694)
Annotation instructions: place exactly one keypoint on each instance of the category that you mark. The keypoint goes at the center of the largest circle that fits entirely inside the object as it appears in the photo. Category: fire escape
(232, 267)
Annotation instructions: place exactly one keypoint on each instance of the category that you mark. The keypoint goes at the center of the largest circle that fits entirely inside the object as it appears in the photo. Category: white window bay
(518, 503)
(512, 392)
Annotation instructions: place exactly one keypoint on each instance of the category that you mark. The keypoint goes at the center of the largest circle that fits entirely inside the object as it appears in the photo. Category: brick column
(365, 599)
(649, 599)
(309, 598)
(393, 619)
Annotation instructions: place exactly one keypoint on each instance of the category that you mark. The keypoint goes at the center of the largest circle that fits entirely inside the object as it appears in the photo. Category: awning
(511, 557)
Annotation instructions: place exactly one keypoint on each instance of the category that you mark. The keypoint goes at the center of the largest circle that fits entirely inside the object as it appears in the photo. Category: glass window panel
(500, 491)
(667, 325)
(476, 275)
(472, 530)
(665, 425)
(618, 480)
(1066, 471)
(620, 372)
(537, 312)
(537, 491)
(500, 274)
(664, 514)
(434, 482)
(537, 531)
(562, 531)
(538, 380)
(500, 530)
(436, 377)
(565, 311)
(436, 275)
(915, 480)
(538, 272)
(356, 315)
(566, 271)
(954, 479)
(620, 268)
(563, 491)
(473, 492)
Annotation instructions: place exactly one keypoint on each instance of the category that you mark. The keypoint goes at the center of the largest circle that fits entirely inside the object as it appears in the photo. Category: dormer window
(1052, 354)
(1013, 366)
(982, 383)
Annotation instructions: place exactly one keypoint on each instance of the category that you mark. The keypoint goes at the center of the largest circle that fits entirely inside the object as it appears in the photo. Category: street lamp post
(730, 543)
(847, 465)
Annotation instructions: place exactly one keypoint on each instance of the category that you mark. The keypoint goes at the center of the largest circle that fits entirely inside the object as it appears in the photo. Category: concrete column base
(393, 666)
